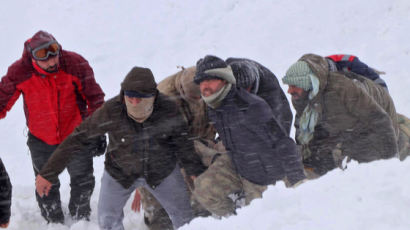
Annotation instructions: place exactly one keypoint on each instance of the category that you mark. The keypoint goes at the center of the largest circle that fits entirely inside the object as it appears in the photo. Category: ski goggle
(43, 52)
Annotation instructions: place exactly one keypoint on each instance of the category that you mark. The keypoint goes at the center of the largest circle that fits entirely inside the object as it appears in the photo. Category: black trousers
(82, 182)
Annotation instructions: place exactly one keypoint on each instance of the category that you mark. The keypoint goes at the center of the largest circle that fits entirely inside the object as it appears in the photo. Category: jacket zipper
(144, 153)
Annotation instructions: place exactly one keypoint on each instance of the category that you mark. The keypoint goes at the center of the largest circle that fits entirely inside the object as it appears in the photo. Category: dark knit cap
(206, 65)
(140, 80)
(40, 38)
(246, 74)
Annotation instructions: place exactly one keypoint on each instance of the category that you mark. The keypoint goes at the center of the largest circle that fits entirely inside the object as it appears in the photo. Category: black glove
(98, 145)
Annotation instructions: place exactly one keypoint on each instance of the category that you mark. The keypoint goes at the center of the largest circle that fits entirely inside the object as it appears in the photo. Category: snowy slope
(163, 34)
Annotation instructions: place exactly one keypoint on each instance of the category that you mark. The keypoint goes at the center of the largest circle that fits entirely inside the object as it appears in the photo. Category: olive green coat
(357, 119)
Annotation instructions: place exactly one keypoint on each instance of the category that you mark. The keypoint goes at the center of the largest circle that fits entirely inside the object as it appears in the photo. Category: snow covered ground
(117, 35)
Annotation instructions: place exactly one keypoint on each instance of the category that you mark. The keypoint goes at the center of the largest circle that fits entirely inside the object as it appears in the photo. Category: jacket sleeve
(5, 195)
(8, 89)
(273, 94)
(289, 154)
(185, 150)
(376, 123)
(292, 160)
(89, 89)
(76, 143)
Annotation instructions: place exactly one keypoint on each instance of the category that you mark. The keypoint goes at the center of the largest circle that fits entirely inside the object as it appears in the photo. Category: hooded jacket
(54, 103)
(150, 149)
(177, 88)
(268, 89)
(355, 117)
(257, 144)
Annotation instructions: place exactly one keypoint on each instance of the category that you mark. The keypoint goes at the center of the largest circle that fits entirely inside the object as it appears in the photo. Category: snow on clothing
(5, 195)
(356, 119)
(54, 103)
(259, 148)
(268, 88)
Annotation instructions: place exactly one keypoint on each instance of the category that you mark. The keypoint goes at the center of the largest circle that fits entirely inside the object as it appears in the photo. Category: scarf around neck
(214, 101)
(310, 115)
(142, 110)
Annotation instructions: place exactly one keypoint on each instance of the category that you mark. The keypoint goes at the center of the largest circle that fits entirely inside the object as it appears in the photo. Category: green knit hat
(298, 75)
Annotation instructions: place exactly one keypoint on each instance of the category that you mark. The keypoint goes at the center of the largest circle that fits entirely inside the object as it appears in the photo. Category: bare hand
(136, 203)
(43, 186)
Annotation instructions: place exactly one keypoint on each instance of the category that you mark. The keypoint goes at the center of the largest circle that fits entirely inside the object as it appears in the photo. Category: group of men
(204, 141)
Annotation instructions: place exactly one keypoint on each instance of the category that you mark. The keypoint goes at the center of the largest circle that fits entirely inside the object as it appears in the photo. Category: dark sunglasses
(130, 93)
(43, 52)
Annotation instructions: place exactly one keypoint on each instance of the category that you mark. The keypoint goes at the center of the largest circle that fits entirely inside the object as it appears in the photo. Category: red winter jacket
(54, 104)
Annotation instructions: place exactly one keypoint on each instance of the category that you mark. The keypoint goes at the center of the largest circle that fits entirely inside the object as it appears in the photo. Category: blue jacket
(260, 149)
(268, 88)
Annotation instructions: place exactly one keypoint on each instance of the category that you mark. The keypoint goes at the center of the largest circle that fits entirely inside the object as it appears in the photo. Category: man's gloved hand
(98, 145)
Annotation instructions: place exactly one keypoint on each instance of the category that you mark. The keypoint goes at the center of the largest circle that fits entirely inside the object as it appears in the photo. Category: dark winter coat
(269, 89)
(356, 118)
(56, 103)
(150, 149)
(260, 150)
(5, 195)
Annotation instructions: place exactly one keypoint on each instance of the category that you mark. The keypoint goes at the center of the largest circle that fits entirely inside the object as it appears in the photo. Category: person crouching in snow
(339, 115)
(258, 148)
(147, 137)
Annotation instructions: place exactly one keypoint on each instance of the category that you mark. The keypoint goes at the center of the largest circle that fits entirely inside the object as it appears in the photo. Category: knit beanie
(246, 74)
(140, 80)
(211, 67)
(298, 75)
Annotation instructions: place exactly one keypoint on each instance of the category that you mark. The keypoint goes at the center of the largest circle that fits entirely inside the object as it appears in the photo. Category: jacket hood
(38, 39)
(140, 80)
(320, 68)
(185, 85)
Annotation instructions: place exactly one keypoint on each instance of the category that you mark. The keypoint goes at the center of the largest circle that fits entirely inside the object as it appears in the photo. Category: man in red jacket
(59, 91)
